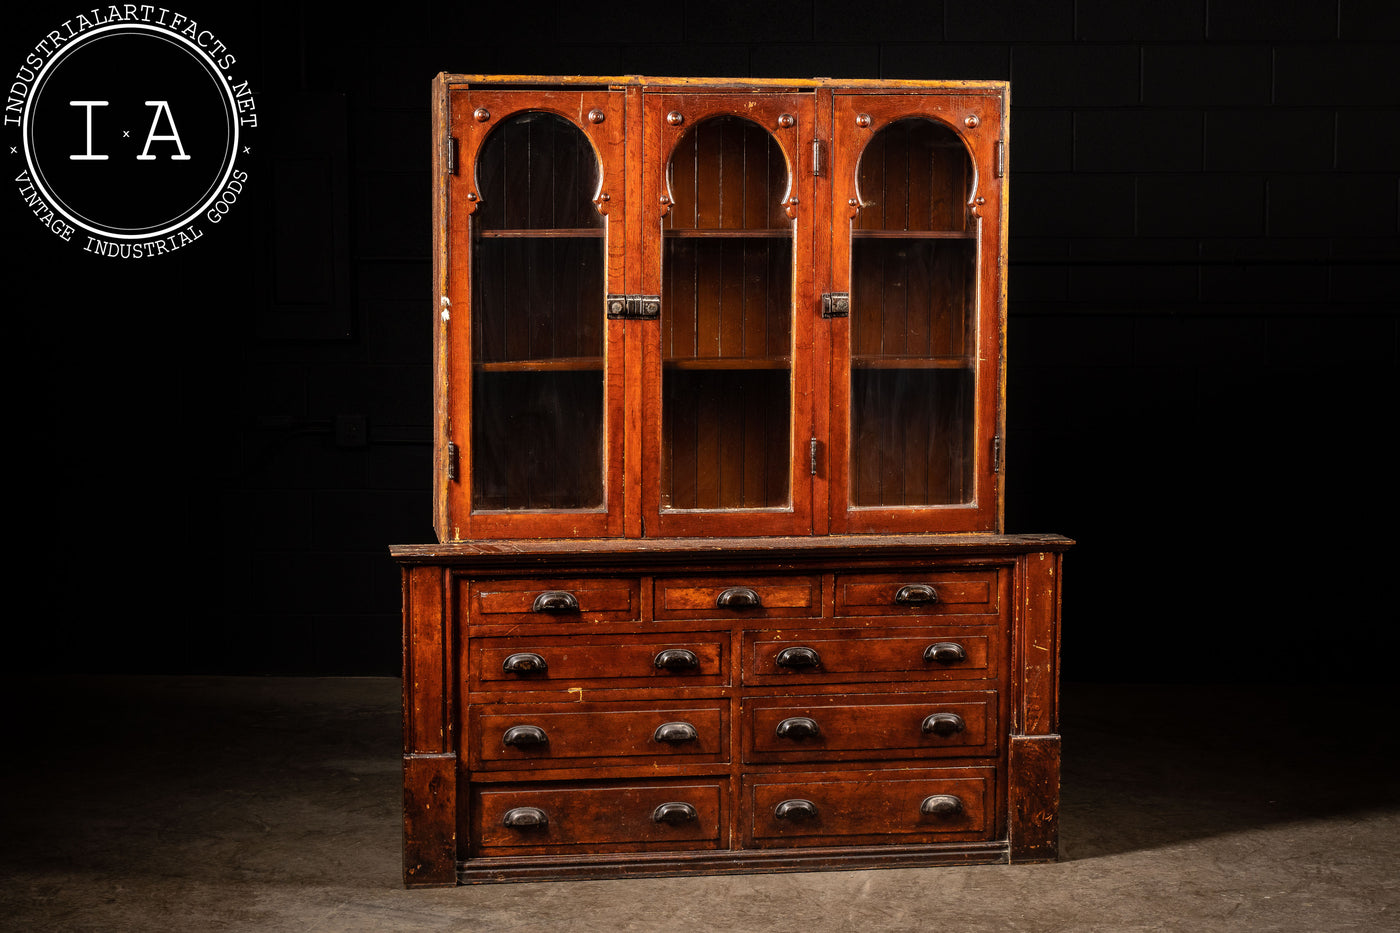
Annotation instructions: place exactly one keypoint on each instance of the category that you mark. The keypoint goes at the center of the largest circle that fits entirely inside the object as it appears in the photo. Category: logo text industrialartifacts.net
(125, 125)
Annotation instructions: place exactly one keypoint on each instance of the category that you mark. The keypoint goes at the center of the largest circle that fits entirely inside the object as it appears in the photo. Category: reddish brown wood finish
(791, 636)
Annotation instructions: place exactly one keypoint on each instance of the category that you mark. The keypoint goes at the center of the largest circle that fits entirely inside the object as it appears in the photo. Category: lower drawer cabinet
(600, 709)
(633, 817)
(855, 808)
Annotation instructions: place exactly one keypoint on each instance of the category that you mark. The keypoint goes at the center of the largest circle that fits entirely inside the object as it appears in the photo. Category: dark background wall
(210, 451)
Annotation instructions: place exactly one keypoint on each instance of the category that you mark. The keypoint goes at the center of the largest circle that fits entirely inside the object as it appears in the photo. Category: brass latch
(836, 304)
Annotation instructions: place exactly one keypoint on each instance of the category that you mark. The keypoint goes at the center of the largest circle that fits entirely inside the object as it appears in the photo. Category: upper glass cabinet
(688, 308)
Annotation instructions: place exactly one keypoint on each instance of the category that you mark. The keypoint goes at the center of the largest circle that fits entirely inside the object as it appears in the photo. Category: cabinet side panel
(426, 684)
(441, 432)
(1038, 645)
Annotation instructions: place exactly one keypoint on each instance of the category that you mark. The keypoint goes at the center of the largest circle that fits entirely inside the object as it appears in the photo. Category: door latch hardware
(633, 307)
(836, 304)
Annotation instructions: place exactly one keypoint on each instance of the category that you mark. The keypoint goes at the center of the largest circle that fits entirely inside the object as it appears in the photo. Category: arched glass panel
(538, 279)
(913, 320)
(726, 334)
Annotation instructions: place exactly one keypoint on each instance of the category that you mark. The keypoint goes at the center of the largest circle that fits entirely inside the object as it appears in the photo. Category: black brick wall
(1204, 286)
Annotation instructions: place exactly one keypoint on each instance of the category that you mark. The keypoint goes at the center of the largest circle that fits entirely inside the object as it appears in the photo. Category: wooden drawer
(652, 816)
(737, 597)
(907, 806)
(848, 727)
(554, 600)
(918, 593)
(569, 735)
(647, 660)
(945, 655)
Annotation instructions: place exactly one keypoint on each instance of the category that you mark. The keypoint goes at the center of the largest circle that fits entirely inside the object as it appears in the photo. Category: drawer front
(512, 820)
(552, 600)
(855, 808)
(951, 655)
(918, 593)
(650, 660)
(737, 597)
(565, 735)
(845, 727)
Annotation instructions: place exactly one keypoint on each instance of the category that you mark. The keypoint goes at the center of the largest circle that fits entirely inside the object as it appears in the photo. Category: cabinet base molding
(662, 865)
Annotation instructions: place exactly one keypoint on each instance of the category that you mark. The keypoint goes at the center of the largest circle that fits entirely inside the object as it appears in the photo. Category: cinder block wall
(1203, 295)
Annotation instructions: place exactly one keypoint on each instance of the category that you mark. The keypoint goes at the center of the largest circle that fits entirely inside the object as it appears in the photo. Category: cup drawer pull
(526, 818)
(798, 657)
(915, 594)
(675, 732)
(796, 809)
(525, 662)
(945, 652)
(798, 727)
(674, 813)
(676, 660)
(555, 601)
(943, 724)
(941, 805)
(738, 597)
(525, 737)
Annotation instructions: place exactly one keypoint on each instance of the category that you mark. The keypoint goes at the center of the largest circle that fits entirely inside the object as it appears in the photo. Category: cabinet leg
(1035, 798)
(429, 820)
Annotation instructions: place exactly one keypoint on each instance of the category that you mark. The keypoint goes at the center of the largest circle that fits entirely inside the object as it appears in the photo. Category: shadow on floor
(1147, 766)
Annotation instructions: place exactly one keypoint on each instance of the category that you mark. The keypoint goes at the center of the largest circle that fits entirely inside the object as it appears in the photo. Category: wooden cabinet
(721, 582)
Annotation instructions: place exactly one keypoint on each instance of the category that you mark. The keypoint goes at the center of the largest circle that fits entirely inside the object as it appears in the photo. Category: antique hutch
(721, 581)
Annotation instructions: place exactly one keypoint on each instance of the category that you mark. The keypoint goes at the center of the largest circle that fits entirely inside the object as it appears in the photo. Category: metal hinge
(451, 154)
(451, 461)
(836, 304)
(812, 454)
(1001, 158)
(633, 307)
(996, 453)
(816, 157)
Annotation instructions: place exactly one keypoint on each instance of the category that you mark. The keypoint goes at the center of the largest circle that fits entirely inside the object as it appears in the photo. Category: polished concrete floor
(210, 804)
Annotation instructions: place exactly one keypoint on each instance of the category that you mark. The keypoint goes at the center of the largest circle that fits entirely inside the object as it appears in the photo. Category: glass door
(543, 180)
(728, 249)
(914, 247)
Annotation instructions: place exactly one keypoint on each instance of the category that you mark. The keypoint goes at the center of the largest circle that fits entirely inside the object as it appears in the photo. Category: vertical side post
(429, 740)
(1034, 753)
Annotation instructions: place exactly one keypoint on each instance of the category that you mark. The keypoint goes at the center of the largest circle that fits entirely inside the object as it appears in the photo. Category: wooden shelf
(731, 362)
(859, 234)
(550, 365)
(543, 233)
(783, 233)
(912, 362)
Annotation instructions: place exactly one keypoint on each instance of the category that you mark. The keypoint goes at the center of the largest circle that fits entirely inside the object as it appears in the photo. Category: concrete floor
(208, 804)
